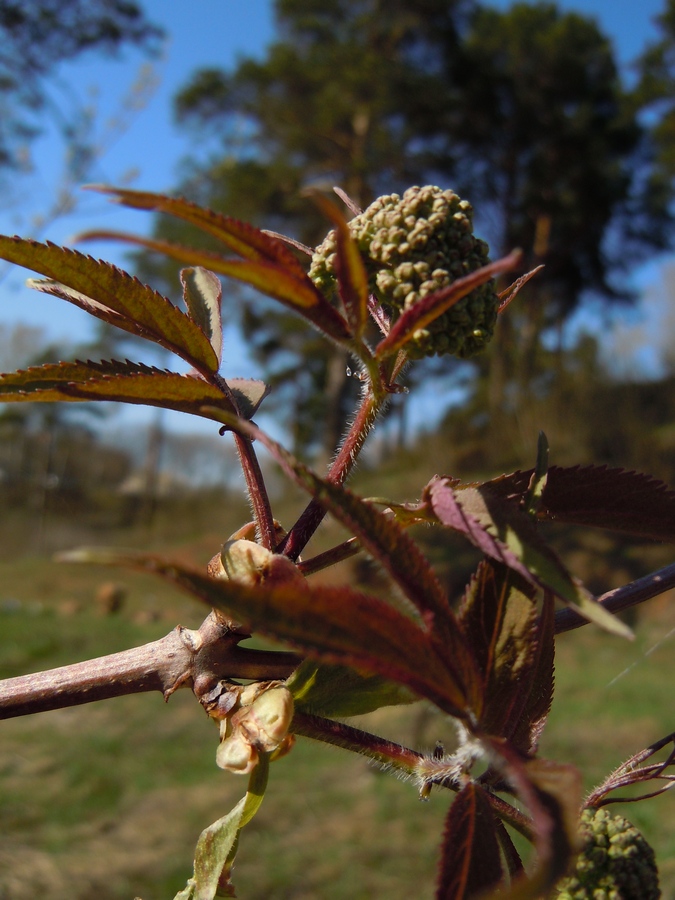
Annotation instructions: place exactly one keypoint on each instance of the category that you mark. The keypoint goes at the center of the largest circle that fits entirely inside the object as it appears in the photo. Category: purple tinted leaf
(335, 624)
(470, 859)
(598, 496)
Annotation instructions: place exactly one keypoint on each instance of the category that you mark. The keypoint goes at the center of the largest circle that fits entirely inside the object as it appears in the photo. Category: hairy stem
(394, 756)
(257, 491)
(183, 658)
(312, 516)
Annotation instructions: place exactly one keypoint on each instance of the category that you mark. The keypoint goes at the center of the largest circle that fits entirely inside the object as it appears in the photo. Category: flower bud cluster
(415, 245)
(615, 863)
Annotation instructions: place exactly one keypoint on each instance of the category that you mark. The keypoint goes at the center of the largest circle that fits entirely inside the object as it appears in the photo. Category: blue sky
(202, 32)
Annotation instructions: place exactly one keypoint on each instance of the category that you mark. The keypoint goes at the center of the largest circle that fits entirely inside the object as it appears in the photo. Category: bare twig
(622, 598)
(183, 658)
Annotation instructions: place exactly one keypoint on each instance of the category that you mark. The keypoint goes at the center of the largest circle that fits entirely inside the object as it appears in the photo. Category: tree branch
(183, 658)
(621, 598)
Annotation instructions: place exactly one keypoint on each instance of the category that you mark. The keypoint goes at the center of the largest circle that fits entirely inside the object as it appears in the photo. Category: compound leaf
(108, 293)
(470, 857)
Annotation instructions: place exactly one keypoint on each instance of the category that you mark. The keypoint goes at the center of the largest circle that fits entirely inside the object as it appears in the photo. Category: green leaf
(431, 306)
(294, 290)
(120, 382)
(335, 691)
(470, 856)
(600, 497)
(505, 533)
(217, 844)
(335, 624)
(202, 293)
(114, 296)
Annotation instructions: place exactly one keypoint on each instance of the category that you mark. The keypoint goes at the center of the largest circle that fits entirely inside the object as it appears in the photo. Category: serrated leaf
(352, 277)
(600, 497)
(294, 290)
(217, 844)
(202, 293)
(335, 624)
(552, 793)
(498, 617)
(431, 306)
(117, 382)
(388, 543)
(335, 691)
(114, 296)
(507, 534)
(470, 856)
(240, 237)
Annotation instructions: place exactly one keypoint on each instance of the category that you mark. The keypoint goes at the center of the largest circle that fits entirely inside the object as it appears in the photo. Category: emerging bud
(412, 246)
(615, 863)
(260, 725)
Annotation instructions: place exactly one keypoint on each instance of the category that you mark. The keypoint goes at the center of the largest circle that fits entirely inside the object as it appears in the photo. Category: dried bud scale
(413, 245)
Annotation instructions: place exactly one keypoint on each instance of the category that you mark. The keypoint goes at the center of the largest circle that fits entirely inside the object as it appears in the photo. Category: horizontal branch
(183, 658)
(622, 598)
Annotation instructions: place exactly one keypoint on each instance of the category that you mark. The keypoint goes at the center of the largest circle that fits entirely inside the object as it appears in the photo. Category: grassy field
(107, 800)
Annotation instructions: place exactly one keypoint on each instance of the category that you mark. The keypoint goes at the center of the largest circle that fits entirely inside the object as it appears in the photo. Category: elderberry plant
(404, 279)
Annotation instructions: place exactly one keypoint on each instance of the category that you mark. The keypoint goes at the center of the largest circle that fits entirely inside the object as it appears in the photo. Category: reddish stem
(313, 514)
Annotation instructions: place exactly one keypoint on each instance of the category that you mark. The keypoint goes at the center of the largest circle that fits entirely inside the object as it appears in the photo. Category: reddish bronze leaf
(120, 382)
(335, 624)
(470, 860)
(296, 291)
(498, 617)
(114, 296)
(504, 532)
(598, 496)
(552, 793)
(431, 306)
(351, 273)
(240, 237)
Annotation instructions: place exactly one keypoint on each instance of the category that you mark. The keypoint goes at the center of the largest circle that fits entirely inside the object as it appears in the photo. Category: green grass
(107, 800)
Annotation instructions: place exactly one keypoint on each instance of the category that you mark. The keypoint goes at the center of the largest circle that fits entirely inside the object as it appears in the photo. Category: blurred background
(557, 122)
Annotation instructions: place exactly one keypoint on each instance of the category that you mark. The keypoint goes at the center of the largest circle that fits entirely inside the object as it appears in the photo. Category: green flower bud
(412, 246)
(615, 863)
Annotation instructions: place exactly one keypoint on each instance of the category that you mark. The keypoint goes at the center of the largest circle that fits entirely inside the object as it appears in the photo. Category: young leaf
(388, 543)
(243, 239)
(507, 534)
(120, 382)
(498, 616)
(217, 844)
(288, 287)
(470, 858)
(552, 793)
(202, 293)
(431, 306)
(335, 624)
(114, 296)
(335, 691)
(600, 497)
(352, 277)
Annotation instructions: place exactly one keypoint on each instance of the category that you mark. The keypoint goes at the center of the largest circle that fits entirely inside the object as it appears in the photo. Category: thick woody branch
(183, 658)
